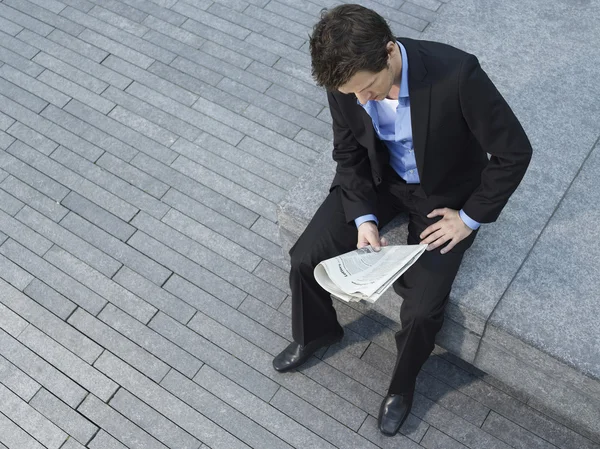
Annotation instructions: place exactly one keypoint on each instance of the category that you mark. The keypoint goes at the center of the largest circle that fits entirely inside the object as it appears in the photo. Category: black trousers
(425, 287)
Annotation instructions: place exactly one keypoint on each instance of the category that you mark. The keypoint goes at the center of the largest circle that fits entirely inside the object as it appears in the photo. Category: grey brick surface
(41, 371)
(9, 320)
(216, 357)
(100, 218)
(174, 32)
(16, 437)
(74, 58)
(75, 341)
(78, 370)
(76, 45)
(72, 444)
(30, 420)
(50, 299)
(63, 416)
(119, 345)
(116, 424)
(24, 20)
(94, 280)
(52, 5)
(6, 121)
(71, 73)
(143, 126)
(9, 203)
(267, 316)
(221, 413)
(513, 434)
(9, 26)
(118, 21)
(211, 20)
(152, 422)
(20, 95)
(32, 138)
(103, 440)
(125, 254)
(67, 240)
(17, 381)
(273, 275)
(22, 234)
(228, 55)
(76, 91)
(155, 10)
(5, 140)
(45, 16)
(280, 159)
(170, 406)
(434, 439)
(121, 9)
(15, 45)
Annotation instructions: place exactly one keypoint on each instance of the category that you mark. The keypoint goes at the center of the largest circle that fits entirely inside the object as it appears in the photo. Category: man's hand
(368, 234)
(450, 228)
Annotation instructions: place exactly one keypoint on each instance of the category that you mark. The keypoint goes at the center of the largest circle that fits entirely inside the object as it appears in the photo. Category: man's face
(369, 85)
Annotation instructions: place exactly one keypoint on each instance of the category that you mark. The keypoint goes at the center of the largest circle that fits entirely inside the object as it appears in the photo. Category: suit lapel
(419, 91)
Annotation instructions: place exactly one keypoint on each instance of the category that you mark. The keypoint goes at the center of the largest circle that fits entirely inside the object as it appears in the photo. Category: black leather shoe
(295, 355)
(393, 412)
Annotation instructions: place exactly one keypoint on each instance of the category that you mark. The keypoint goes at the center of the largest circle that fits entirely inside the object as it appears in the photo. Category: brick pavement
(144, 145)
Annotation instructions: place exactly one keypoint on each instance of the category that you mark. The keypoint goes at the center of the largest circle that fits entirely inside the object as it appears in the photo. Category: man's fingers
(384, 241)
(433, 237)
(437, 212)
(449, 246)
(438, 242)
(431, 228)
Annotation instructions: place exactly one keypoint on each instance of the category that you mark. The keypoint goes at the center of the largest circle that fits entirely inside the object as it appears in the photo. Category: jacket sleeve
(500, 134)
(353, 170)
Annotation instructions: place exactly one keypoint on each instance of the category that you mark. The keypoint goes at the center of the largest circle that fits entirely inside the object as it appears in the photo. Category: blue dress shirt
(397, 136)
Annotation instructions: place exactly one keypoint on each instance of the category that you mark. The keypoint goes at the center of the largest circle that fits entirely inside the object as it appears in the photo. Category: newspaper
(365, 273)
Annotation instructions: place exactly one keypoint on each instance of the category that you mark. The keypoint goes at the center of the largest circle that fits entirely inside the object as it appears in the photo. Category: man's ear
(389, 47)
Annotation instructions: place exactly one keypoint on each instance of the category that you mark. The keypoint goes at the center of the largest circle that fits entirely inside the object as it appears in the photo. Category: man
(413, 122)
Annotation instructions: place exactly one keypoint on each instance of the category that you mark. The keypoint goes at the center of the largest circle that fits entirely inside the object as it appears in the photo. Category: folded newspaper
(365, 273)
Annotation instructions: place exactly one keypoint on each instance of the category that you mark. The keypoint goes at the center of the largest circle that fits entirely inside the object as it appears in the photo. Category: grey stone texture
(144, 148)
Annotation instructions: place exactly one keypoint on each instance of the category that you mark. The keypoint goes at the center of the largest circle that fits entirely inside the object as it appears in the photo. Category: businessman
(413, 124)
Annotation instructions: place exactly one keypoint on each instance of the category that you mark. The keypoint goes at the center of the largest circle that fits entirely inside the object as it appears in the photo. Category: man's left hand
(450, 228)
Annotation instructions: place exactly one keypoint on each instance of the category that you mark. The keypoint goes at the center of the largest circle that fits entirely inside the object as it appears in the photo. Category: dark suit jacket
(457, 116)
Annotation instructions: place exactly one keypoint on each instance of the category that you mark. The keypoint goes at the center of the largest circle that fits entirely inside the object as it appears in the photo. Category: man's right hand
(368, 234)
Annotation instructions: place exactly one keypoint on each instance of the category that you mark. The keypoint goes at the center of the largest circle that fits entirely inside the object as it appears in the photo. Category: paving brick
(41, 371)
(114, 423)
(214, 356)
(134, 196)
(212, 240)
(268, 317)
(152, 113)
(317, 421)
(174, 32)
(258, 410)
(20, 95)
(76, 91)
(273, 275)
(52, 5)
(123, 132)
(264, 205)
(276, 20)
(82, 5)
(291, 13)
(434, 439)
(20, 233)
(202, 121)
(33, 198)
(96, 141)
(224, 226)
(143, 126)
(24, 20)
(71, 73)
(9, 203)
(194, 189)
(74, 181)
(67, 240)
(67, 55)
(9, 320)
(228, 55)
(151, 341)
(5, 140)
(152, 422)
(52, 276)
(45, 16)
(124, 44)
(17, 381)
(77, 46)
(32, 138)
(72, 444)
(119, 345)
(513, 434)
(280, 49)
(325, 115)
(155, 10)
(6, 122)
(256, 131)
(165, 403)
(122, 10)
(120, 251)
(279, 159)
(118, 21)
(100, 218)
(318, 143)
(221, 413)
(260, 360)
(226, 315)
(94, 280)
(418, 11)
(211, 20)
(16, 437)
(103, 440)
(298, 71)
(74, 367)
(243, 159)
(17, 46)
(30, 420)
(9, 27)
(50, 299)
(234, 275)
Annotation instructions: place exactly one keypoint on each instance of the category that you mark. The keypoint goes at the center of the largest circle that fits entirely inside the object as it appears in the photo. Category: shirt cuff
(474, 225)
(362, 219)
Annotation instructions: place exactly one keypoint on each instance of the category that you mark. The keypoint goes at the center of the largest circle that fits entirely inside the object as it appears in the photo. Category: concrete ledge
(557, 389)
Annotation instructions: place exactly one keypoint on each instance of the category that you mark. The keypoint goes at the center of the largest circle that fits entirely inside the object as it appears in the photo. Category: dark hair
(346, 40)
